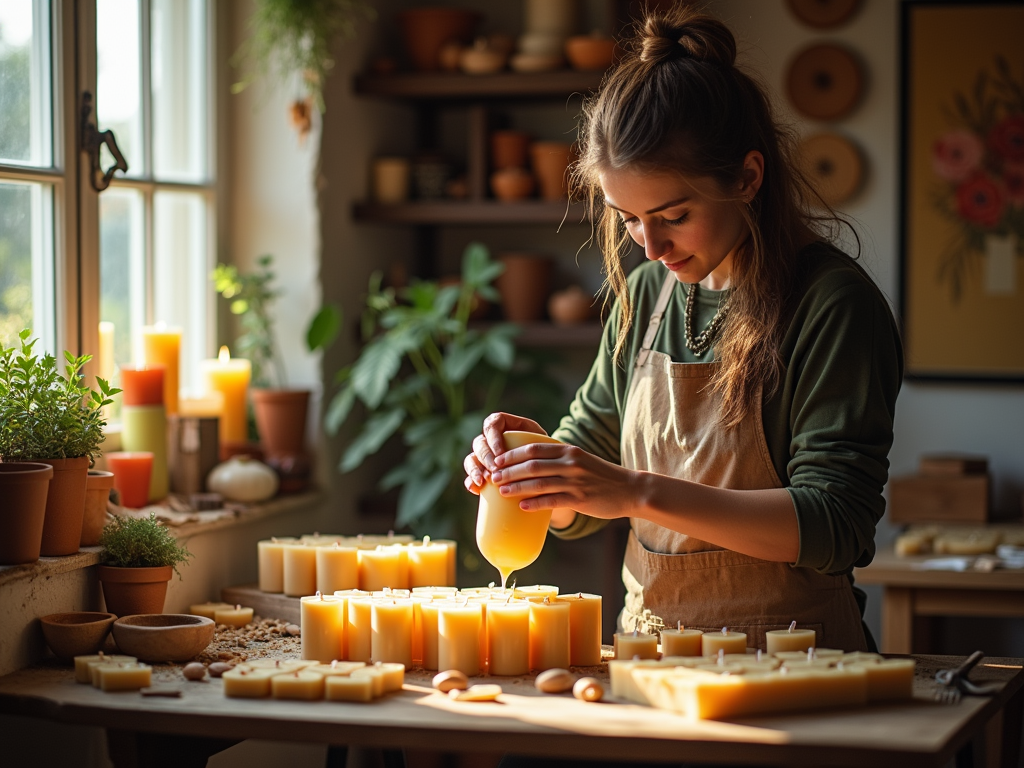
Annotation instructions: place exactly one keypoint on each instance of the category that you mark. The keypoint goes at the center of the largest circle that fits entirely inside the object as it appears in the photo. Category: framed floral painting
(962, 196)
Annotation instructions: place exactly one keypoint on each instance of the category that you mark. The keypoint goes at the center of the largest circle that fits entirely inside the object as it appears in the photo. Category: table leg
(132, 749)
(1013, 713)
(897, 620)
(337, 757)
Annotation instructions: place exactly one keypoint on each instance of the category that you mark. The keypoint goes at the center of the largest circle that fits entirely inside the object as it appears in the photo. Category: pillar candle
(629, 645)
(453, 560)
(428, 613)
(144, 422)
(271, 563)
(208, 610)
(323, 628)
(458, 637)
(142, 385)
(238, 616)
(301, 686)
(337, 568)
(536, 592)
(681, 642)
(726, 640)
(129, 676)
(391, 628)
(791, 639)
(417, 626)
(428, 563)
(359, 629)
(131, 476)
(105, 355)
(508, 637)
(381, 567)
(161, 345)
(230, 377)
(584, 629)
(549, 635)
(299, 570)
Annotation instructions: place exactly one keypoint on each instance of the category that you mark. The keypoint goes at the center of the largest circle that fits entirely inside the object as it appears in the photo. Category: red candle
(131, 475)
(142, 384)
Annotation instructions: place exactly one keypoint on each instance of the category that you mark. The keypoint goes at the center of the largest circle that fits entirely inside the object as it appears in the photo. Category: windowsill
(89, 556)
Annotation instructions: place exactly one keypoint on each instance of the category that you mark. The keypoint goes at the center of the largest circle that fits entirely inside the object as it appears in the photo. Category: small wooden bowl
(77, 633)
(589, 53)
(163, 636)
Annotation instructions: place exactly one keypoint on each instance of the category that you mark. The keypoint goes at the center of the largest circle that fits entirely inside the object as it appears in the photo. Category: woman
(740, 410)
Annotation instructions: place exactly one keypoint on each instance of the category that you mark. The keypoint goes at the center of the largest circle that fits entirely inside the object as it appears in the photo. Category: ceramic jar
(524, 285)
(590, 52)
(551, 160)
(510, 184)
(509, 149)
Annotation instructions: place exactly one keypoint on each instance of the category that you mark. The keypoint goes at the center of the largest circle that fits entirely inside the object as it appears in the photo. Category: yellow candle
(323, 627)
(337, 568)
(681, 642)
(791, 639)
(348, 688)
(428, 612)
(428, 563)
(161, 345)
(888, 679)
(299, 570)
(453, 560)
(128, 676)
(345, 595)
(629, 645)
(359, 629)
(84, 665)
(536, 592)
(210, 406)
(230, 377)
(509, 538)
(248, 683)
(271, 564)
(584, 629)
(458, 633)
(726, 640)
(233, 617)
(374, 675)
(391, 628)
(549, 635)
(303, 686)
(417, 626)
(105, 355)
(208, 610)
(381, 567)
(508, 637)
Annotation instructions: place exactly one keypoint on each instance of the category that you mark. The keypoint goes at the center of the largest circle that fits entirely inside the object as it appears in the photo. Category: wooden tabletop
(891, 570)
(915, 733)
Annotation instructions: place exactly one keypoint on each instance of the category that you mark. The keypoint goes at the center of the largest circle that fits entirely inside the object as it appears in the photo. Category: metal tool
(955, 682)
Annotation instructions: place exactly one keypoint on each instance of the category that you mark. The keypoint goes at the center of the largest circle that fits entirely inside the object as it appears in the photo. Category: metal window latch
(92, 140)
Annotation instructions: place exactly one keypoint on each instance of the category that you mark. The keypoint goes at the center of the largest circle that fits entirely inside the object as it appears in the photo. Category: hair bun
(686, 33)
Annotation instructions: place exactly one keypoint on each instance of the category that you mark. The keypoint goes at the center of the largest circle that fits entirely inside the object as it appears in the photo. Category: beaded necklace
(701, 343)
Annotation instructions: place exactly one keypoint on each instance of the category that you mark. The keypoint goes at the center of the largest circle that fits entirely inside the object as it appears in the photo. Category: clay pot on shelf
(551, 160)
(281, 420)
(23, 488)
(509, 149)
(449, 55)
(590, 52)
(571, 306)
(426, 30)
(128, 591)
(524, 286)
(512, 184)
(65, 506)
(536, 62)
(482, 59)
(97, 493)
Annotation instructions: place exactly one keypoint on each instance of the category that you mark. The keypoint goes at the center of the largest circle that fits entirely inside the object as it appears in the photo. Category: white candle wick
(334, 664)
(810, 654)
(273, 539)
(636, 657)
(359, 536)
(391, 534)
(679, 625)
(490, 585)
(547, 600)
(758, 654)
(792, 626)
(238, 607)
(721, 657)
(508, 599)
(725, 630)
(336, 545)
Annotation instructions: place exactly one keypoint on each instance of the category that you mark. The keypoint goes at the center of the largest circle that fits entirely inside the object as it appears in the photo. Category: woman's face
(695, 237)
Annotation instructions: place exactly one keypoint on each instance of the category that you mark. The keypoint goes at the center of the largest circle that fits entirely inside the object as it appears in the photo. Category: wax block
(832, 654)
(620, 672)
(392, 675)
(374, 675)
(248, 683)
(279, 665)
(300, 685)
(130, 676)
(888, 679)
(84, 664)
(343, 668)
(338, 688)
(535, 592)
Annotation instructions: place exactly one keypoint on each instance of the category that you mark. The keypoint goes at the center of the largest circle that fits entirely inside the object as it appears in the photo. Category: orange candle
(131, 476)
(161, 345)
(142, 385)
(230, 377)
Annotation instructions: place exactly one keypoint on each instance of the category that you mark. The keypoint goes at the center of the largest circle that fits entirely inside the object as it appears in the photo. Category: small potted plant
(51, 417)
(139, 557)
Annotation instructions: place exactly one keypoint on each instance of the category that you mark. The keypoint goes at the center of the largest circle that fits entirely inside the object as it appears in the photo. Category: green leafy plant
(251, 297)
(46, 414)
(141, 542)
(427, 375)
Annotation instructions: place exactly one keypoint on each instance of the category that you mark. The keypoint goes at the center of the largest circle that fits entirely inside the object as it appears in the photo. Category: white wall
(929, 417)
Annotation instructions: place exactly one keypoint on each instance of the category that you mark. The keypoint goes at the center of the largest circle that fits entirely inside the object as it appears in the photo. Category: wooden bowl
(589, 53)
(511, 184)
(78, 633)
(163, 636)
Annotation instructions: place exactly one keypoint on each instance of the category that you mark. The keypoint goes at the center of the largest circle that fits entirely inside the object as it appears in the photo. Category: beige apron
(671, 427)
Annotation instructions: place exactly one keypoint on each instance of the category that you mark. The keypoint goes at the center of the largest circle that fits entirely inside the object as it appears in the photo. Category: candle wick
(721, 657)
(547, 600)
(273, 539)
(490, 585)
(238, 607)
(316, 534)
(725, 630)
(636, 657)
(758, 654)
(792, 626)
(508, 599)
(319, 595)
(810, 654)
(391, 534)
(679, 625)
(334, 664)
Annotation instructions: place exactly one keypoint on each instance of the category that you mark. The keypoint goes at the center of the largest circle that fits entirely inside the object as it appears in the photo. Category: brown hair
(677, 102)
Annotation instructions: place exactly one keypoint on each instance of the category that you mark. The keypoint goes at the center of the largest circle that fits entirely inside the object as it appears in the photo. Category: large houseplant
(139, 557)
(51, 417)
(427, 375)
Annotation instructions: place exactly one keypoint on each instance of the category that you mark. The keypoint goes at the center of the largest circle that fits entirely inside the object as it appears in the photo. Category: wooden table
(911, 593)
(184, 731)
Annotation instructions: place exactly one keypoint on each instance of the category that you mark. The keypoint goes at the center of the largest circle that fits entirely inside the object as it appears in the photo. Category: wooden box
(939, 499)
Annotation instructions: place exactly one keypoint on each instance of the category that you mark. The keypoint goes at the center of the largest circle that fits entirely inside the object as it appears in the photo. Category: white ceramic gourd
(242, 478)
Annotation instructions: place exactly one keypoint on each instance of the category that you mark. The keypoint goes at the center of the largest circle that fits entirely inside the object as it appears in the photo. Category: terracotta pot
(23, 488)
(281, 420)
(509, 149)
(551, 161)
(65, 506)
(524, 286)
(128, 591)
(425, 31)
(571, 306)
(97, 492)
(511, 184)
(589, 52)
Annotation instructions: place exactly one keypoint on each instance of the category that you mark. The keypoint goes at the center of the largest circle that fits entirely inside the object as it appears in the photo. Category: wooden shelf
(551, 335)
(472, 212)
(460, 87)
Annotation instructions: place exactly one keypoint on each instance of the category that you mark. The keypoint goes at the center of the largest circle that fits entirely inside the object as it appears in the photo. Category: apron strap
(655, 322)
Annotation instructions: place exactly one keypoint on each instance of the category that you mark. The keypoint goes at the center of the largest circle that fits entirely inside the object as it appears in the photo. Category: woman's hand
(548, 476)
(480, 463)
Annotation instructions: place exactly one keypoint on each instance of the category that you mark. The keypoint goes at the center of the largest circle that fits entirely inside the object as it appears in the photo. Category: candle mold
(78, 633)
(163, 636)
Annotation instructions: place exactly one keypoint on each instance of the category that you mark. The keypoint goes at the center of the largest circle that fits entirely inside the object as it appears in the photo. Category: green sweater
(828, 426)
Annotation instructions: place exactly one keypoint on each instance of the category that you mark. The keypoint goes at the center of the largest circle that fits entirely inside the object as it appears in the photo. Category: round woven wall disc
(823, 14)
(825, 82)
(833, 165)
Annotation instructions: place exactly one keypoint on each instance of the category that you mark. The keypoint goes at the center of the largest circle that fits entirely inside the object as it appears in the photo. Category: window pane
(122, 269)
(26, 135)
(179, 90)
(181, 281)
(26, 263)
(119, 74)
